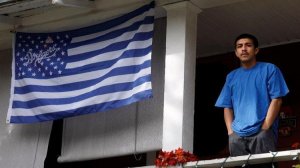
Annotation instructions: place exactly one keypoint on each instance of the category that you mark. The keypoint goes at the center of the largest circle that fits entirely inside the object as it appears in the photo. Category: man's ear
(256, 50)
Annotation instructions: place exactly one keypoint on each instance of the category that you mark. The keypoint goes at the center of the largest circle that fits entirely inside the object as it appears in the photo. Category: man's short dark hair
(249, 36)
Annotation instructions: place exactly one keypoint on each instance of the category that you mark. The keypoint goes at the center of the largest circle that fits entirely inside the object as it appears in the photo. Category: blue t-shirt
(249, 93)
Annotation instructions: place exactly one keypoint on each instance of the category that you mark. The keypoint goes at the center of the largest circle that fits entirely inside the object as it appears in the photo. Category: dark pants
(262, 142)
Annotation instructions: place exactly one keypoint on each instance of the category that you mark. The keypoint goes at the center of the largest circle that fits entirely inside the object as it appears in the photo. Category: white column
(178, 121)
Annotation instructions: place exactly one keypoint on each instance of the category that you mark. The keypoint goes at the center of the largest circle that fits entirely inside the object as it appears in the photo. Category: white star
(58, 59)
(20, 68)
(29, 69)
(55, 67)
(23, 73)
(50, 73)
(32, 42)
(59, 72)
(28, 37)
(19, 44)
(43, 74)
(67, 36)
(46, 68)
(20, 36)
(65, 44)
(62, 53)
(34, 74)
(19, 74)
(62, 63)
(18, 53)
(52, 63)
(57, 37)
(36, 46)
(39, 69)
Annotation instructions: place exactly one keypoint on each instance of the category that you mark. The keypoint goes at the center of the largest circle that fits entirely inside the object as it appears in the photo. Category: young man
(251, 98)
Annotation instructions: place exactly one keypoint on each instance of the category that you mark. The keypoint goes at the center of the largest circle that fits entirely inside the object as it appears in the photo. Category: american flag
(87, 70)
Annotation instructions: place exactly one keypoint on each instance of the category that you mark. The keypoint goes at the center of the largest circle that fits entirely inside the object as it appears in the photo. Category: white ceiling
(273, 21)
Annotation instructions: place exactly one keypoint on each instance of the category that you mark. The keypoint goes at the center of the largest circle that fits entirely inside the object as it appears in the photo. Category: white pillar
(180, 63)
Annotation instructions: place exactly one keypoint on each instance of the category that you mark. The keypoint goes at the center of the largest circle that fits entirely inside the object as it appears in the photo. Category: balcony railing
(246, 159)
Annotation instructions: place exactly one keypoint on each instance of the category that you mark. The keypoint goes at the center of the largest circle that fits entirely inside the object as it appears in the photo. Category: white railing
(246, 159)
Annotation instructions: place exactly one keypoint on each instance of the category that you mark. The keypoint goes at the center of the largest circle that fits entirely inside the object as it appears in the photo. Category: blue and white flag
(87, 70)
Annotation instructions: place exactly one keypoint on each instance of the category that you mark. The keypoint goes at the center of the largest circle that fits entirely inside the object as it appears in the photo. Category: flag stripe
(111, 55)
(83, 76)
(129, 70)
(112, 88)
(134, 20)
(141, 26)
(40, 93)
(99, 48)
(130, 55)
(90, 101)
(83, 110)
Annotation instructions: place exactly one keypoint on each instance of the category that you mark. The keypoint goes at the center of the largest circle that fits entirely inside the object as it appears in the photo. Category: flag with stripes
(87, 70)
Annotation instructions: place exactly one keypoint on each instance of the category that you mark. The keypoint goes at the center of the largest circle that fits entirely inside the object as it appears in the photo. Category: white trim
(75, 3)
(253, 159)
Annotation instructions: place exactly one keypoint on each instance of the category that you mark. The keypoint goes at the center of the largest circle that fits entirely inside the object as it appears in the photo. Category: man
(251, 98)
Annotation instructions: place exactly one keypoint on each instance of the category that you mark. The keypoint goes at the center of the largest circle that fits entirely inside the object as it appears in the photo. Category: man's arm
(272, 113)
(228, 117)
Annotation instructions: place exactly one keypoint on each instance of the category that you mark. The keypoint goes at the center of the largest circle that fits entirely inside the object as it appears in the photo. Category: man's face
(245, 50)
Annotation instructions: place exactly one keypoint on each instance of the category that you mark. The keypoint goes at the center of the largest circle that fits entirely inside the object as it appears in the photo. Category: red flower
(172, 158)
(296, 145)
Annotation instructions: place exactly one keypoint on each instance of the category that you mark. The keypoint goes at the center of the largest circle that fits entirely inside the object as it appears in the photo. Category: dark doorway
(209, 127)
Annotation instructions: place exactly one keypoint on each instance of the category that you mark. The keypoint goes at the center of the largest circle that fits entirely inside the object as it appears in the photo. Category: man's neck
(248, 65)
